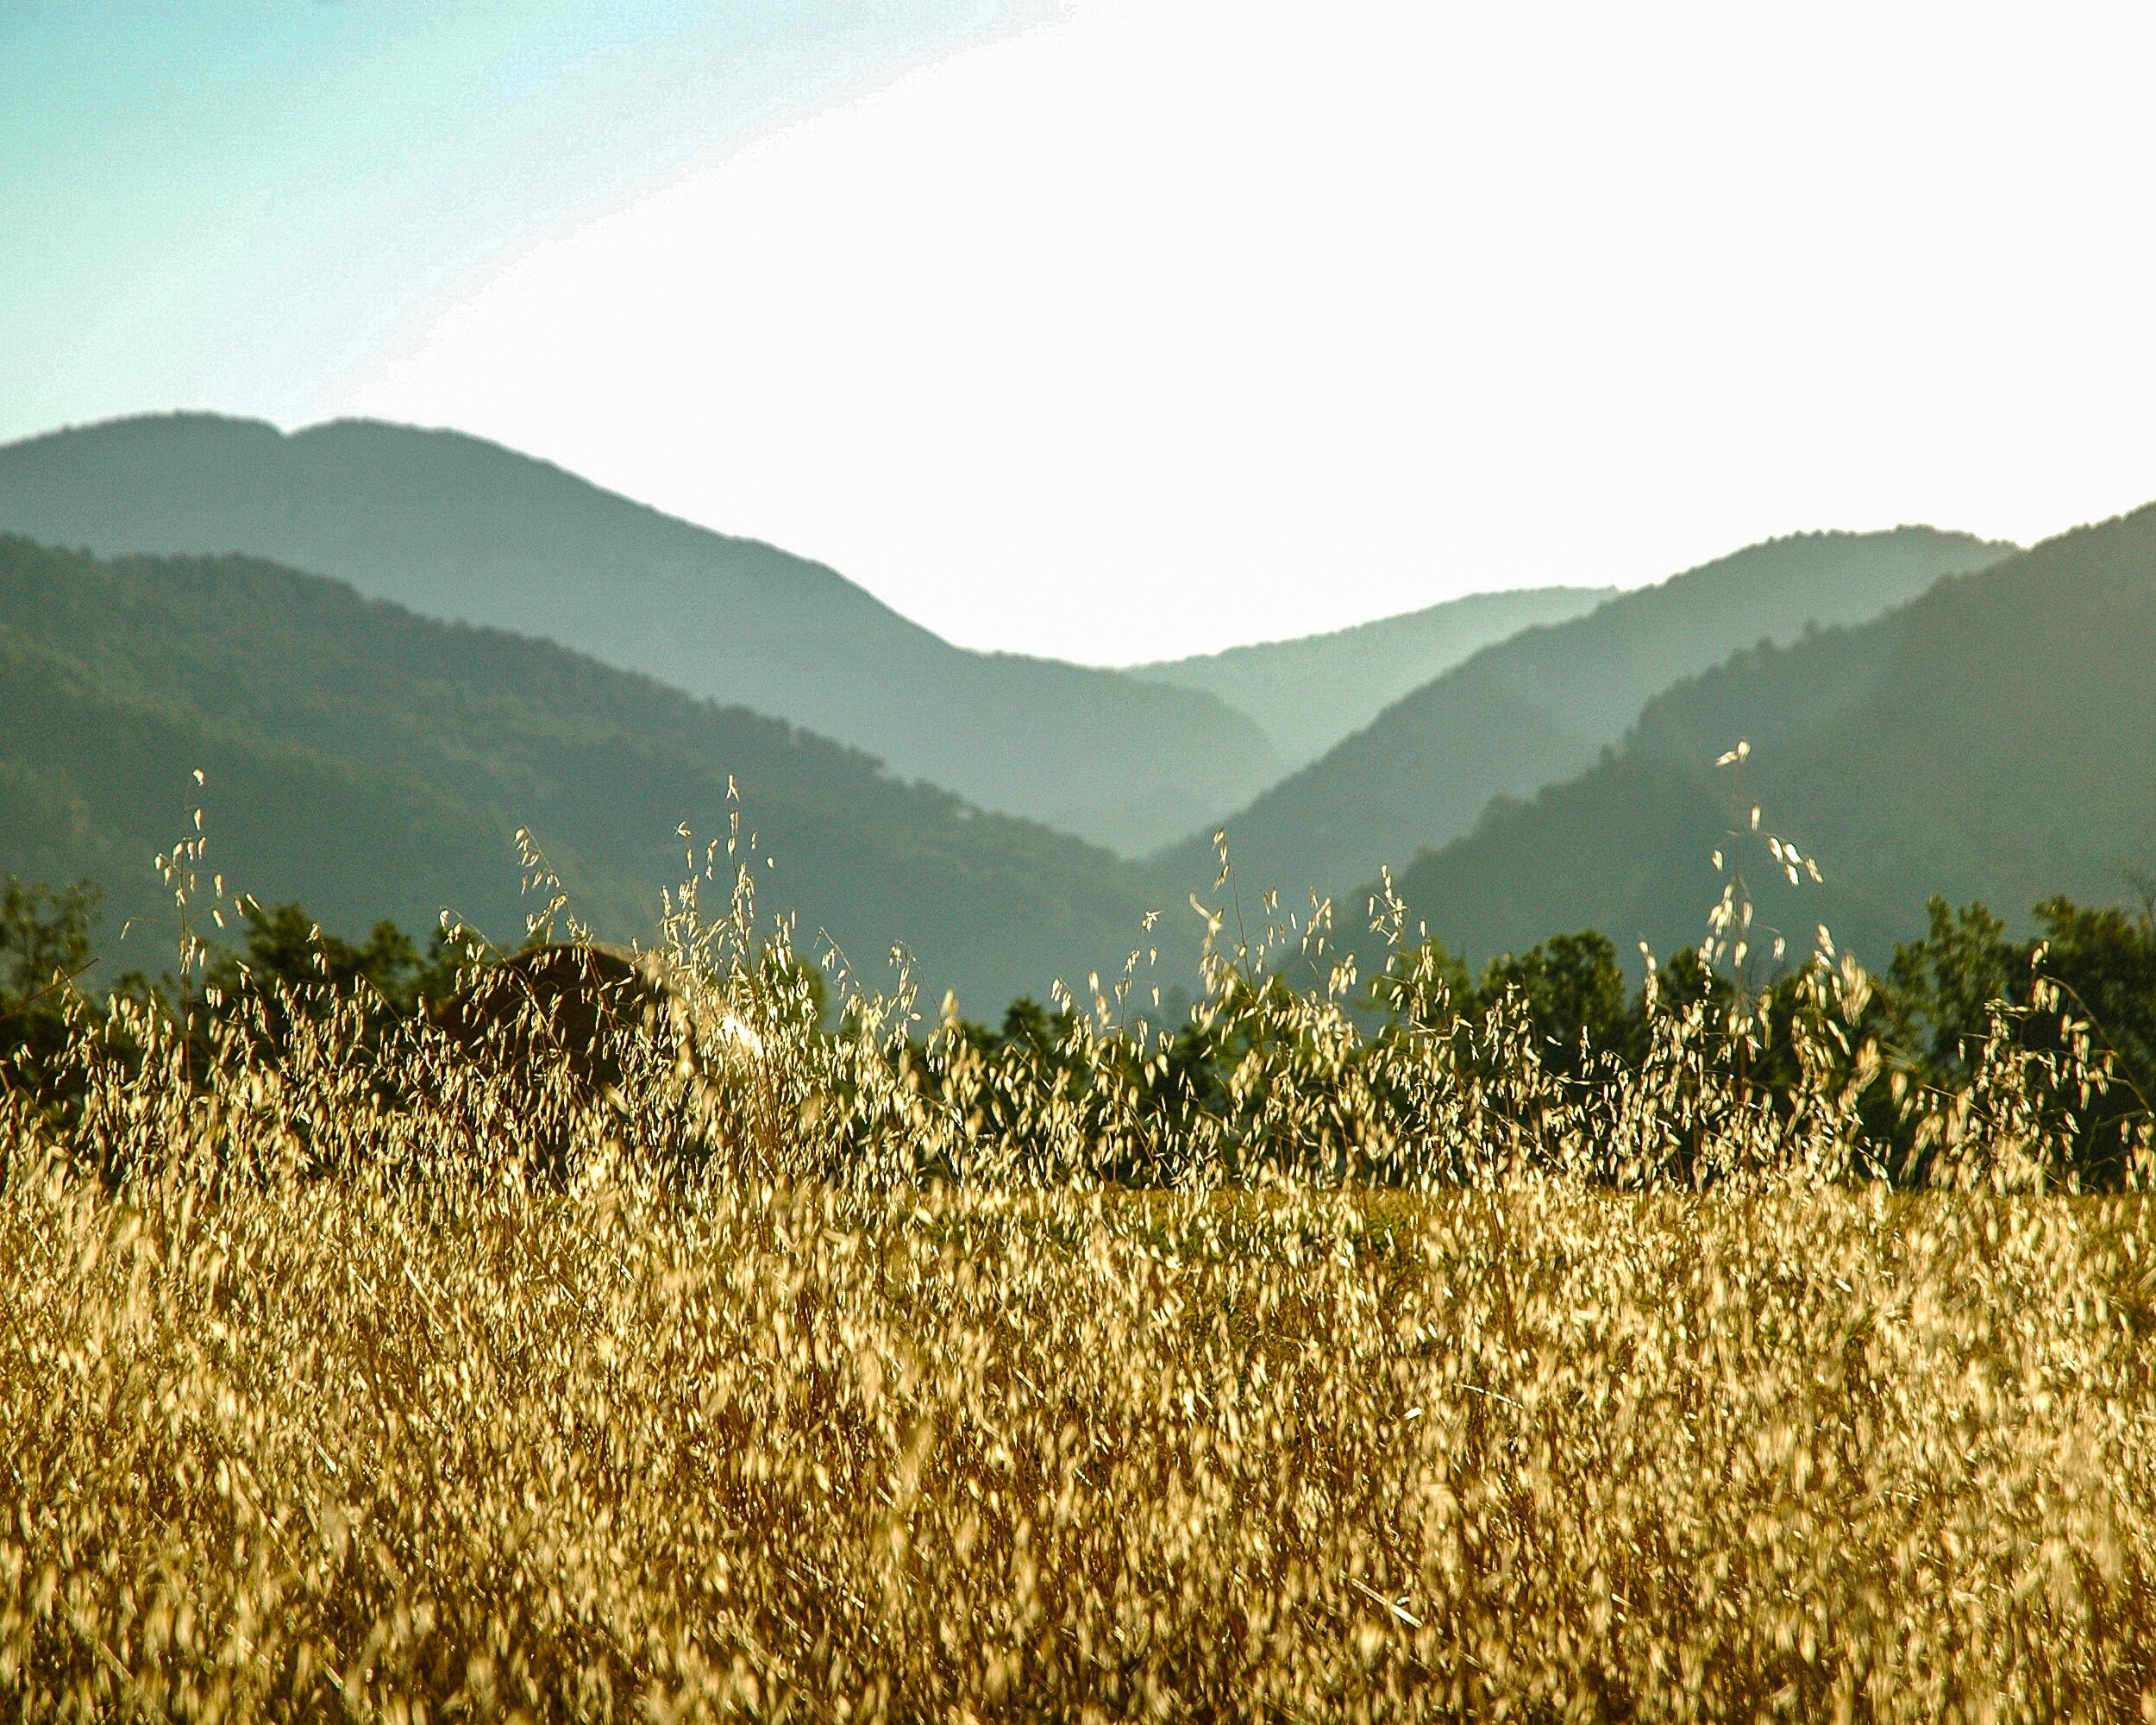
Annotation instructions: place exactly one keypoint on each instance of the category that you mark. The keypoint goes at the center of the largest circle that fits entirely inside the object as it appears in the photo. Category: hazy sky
(1124, 327)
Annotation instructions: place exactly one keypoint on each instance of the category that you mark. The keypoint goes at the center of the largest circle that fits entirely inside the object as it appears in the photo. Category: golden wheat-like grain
(831, 1377)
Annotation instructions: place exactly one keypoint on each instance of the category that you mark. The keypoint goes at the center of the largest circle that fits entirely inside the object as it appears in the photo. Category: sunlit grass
(712, 1363)
(643, 1451)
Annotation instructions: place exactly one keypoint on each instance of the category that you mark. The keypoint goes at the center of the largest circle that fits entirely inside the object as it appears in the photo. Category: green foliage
(1258, 1072)
(1994, 1067)
(1944, 983)
(2104, 959)
(1943, 987)
(2081, 994)
(46, 936)
(1572, 990)
(2088, 975)
(1027, 1026)
(287, 947)
(290, 967)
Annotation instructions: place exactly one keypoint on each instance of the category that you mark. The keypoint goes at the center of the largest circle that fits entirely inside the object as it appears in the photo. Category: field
(1547, 1453)
(359, 1371)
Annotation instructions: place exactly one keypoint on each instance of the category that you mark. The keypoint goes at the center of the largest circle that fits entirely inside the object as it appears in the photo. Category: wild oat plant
(626, 1342)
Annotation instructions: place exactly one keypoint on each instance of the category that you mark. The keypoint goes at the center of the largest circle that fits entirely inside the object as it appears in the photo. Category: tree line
(2082, 983)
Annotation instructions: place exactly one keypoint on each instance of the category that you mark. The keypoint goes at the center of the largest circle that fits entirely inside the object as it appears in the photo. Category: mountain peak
(455, 527)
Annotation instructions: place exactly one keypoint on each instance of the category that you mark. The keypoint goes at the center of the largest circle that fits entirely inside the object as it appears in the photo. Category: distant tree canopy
(286, 946)
(1934, 1002)
(2087, 974)
(1942, 990)
(45, 946)
(2086, 970)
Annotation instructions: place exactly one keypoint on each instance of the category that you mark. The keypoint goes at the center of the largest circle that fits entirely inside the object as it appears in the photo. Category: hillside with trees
(1992, 740)
(375, 763)
(1537, 709)
(456, 528)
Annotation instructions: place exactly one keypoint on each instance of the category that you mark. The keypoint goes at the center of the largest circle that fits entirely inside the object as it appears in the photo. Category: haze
(1125, 330)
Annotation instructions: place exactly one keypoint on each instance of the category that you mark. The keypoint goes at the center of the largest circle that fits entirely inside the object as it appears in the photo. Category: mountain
(372, 762)
(1537, 709)
(1994, 738)
(1306, 695)
(455, 528)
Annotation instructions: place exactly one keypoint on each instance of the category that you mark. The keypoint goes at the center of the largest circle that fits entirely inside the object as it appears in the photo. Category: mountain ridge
(1992, 737)
(437, 741)
(1309, 692)
(455, 527)
(1536, 708)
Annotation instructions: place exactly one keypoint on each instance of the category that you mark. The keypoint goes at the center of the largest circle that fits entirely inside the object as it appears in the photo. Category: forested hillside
(1309, 693)
(1993, 739)
(1537, 709)
(372, 762)
(455, 528)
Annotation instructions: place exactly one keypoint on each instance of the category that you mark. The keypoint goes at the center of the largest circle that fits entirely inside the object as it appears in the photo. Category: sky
(1116, 330)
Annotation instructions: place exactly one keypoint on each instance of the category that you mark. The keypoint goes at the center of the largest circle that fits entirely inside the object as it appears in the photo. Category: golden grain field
(633, 1453)
(323, 1396)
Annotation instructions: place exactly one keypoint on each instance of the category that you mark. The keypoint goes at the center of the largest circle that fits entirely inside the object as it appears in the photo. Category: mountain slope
(455, 528)
(373, 762)
(1309, 693)
(1536, 709)
(1994, 738)
(92, 779)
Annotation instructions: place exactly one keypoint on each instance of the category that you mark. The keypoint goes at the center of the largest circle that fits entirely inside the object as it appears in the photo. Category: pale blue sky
(232, 202)
(1122, 328)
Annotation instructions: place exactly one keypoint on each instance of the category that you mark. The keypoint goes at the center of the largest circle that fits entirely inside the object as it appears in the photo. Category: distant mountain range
(1308, 693)
(1538, 708)
(373, 762)
(1927, 712)
(1993, 738)
(455, 528)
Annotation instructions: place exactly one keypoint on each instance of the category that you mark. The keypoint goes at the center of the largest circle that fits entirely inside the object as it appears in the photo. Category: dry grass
(627, 1453)
(320, 1401)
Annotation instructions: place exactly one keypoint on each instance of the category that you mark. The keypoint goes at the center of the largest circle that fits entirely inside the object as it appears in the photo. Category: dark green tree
(1573, 991)
(46, 947)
